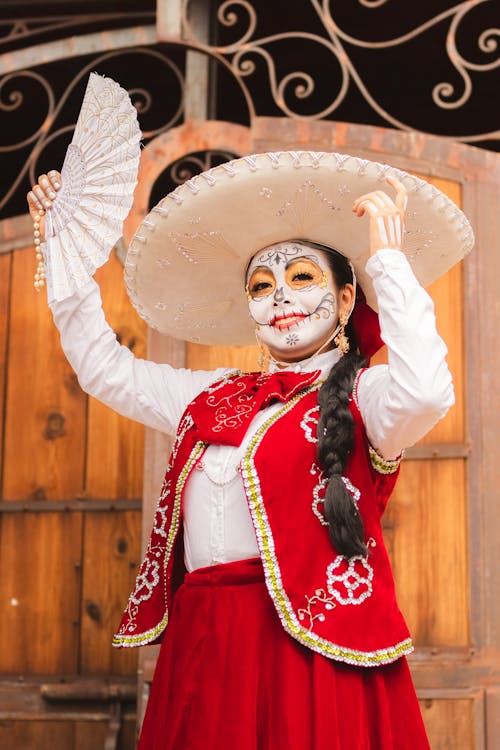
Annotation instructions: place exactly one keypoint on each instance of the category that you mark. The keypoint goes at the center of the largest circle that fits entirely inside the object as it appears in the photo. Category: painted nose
(279, 297)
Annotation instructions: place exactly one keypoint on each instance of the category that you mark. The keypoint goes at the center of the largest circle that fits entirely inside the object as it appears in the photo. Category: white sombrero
(185, 268)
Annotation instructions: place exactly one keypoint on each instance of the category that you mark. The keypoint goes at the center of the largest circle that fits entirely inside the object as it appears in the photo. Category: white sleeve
(401, 401)
(151, 393)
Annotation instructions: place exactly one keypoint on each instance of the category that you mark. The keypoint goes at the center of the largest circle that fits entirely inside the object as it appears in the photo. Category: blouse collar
(323, 362)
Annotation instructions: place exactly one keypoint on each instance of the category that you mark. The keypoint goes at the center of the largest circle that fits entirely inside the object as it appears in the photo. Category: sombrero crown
(185, 268)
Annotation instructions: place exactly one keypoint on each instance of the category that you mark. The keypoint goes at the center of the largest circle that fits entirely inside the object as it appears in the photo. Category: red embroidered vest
(344, 609)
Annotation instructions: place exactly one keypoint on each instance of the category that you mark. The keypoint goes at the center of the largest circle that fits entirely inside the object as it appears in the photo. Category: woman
(284, 631)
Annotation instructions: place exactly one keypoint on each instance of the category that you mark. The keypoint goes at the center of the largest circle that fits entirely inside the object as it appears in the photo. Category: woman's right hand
(41, 197)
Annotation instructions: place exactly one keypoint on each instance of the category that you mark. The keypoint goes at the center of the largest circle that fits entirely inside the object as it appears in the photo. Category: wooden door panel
(25, 735)
(447, 294)
(40, 555)
(67, 572)
(45, 409)
(111, 544)
(454, 723)
(425, 527)
(5, 266)
(200, 357)
(62, 735)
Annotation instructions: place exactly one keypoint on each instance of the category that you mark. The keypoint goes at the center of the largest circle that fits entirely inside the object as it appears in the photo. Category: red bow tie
(223, 412)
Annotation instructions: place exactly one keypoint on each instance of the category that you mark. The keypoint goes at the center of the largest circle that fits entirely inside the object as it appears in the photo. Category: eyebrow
(312, 258)
(259, 268)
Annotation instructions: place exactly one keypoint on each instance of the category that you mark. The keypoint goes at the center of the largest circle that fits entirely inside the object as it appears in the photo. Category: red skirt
(230, 678)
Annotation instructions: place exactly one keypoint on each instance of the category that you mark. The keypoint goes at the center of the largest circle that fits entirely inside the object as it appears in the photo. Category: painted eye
(261, 286)
(261, 283)
(303, 273)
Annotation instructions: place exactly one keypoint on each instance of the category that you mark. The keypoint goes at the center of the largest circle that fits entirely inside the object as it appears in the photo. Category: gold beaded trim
(383, 465)
(379, 463)
(142, 639)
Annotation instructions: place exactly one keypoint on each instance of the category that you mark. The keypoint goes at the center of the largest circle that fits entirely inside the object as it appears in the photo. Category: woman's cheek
(261, 309)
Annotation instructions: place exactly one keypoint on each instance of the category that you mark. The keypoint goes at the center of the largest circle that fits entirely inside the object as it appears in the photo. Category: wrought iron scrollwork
(37, 128)
(246, 53)
(23, 31)
(185, 168)
(357, 62)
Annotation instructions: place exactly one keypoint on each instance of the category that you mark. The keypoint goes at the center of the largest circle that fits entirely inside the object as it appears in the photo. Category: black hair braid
(335, 443)
(336, 427)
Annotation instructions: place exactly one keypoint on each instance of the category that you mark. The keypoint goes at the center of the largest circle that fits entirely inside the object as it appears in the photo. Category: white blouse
(399, 402)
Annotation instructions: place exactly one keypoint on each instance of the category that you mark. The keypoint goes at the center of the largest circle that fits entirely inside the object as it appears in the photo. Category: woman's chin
(295, 354)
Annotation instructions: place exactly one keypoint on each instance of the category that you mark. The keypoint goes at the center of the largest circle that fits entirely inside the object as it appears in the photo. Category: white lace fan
(99, 176)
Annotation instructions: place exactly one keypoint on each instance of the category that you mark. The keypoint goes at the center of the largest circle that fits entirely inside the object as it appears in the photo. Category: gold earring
(264, 355)
(263, 358)
(341, 339)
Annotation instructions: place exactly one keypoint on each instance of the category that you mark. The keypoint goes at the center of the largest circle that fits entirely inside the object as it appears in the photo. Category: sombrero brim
(185, 268)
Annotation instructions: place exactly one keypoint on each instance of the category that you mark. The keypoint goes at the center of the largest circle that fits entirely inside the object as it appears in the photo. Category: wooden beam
(76, 505)
(88, 690)
(437, 451)
(63, 697)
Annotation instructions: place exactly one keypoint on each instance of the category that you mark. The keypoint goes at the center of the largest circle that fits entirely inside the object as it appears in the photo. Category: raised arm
(401, 401)
(151, 393)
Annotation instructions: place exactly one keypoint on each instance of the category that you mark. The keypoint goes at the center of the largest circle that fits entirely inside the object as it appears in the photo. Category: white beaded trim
(141, 639)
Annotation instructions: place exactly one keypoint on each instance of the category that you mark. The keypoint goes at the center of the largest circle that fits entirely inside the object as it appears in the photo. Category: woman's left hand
(387, 216)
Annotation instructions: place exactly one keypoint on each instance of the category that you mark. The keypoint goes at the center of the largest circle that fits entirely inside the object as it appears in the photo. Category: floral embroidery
(233, 409)
(309, 424)
(349, 581)
(149, 576)
(230, 410)
(319, 494)
(161, 513)
(351, 586)
(223, 381)
(352, 490)
(383, 465)
(176, 512)
(184, 425)
(146, 581)
(320, 489)
(320, 597)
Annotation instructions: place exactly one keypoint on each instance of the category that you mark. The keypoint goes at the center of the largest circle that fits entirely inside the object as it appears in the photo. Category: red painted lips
(284, 322)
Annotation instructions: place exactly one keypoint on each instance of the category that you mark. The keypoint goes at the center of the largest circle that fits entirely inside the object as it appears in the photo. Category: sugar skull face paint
(292, 298)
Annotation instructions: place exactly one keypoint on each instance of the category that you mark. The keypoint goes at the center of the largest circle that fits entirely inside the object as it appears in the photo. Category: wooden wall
(70, 521)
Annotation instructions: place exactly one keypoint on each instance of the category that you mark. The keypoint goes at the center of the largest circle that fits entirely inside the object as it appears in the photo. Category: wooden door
(70, 519)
